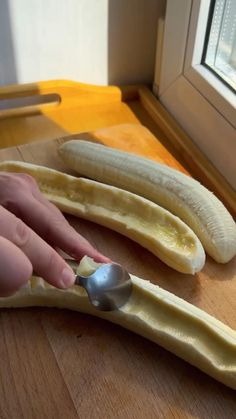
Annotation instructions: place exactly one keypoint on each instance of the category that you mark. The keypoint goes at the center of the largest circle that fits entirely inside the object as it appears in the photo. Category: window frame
(199, 101)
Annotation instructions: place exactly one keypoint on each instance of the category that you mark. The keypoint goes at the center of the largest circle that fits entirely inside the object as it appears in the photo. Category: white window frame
(199, 101)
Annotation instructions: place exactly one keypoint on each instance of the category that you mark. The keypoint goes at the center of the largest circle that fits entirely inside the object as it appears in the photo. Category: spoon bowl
(108, 288)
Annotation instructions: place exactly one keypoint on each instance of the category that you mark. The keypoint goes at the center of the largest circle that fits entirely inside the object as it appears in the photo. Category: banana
(173, 190)
(152, 312)
(156, 229)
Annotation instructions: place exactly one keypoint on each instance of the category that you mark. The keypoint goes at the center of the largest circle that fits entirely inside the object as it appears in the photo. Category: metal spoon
(108, 288)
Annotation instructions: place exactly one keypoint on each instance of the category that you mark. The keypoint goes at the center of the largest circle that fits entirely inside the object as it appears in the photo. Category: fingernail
(67, 278)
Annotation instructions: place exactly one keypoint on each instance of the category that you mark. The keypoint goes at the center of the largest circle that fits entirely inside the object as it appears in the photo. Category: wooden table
(61, 364)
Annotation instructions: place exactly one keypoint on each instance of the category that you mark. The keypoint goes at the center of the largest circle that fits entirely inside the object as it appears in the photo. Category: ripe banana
(154, 313)
(173, 190)
(156, 229)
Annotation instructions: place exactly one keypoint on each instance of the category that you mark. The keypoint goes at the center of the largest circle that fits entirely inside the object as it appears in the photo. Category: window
(219, 53)
(203, 104)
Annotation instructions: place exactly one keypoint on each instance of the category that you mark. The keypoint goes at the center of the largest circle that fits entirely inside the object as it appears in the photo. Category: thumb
(16, 268)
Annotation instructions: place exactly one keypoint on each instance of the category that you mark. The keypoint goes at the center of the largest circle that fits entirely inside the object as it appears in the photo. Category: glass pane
(220, 50)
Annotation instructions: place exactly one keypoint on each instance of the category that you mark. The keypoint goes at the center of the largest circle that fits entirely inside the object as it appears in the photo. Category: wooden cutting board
(61, 364)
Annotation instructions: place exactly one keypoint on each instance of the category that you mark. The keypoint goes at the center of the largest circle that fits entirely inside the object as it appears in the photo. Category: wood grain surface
(61, 364)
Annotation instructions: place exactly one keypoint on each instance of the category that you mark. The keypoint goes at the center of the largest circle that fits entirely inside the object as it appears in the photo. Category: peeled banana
(173, 190)
(154, 313)
(156, 229)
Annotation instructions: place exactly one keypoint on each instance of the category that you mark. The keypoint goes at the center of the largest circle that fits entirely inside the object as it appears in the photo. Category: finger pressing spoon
(108, 288)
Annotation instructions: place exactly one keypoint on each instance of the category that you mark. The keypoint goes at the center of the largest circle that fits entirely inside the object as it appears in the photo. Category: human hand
(30, 226)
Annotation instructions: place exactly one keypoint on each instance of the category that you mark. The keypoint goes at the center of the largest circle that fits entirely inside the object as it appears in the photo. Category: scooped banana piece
(153, 227)
(152, 312)
(173, 190)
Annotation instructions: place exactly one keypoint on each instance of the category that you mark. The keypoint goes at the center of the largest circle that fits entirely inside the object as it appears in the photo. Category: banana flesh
(169, 188)
(152, 312)
(141, 220)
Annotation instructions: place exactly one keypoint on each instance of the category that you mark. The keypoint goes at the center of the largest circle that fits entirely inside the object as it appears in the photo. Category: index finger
(46, 262)
(49, 223)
